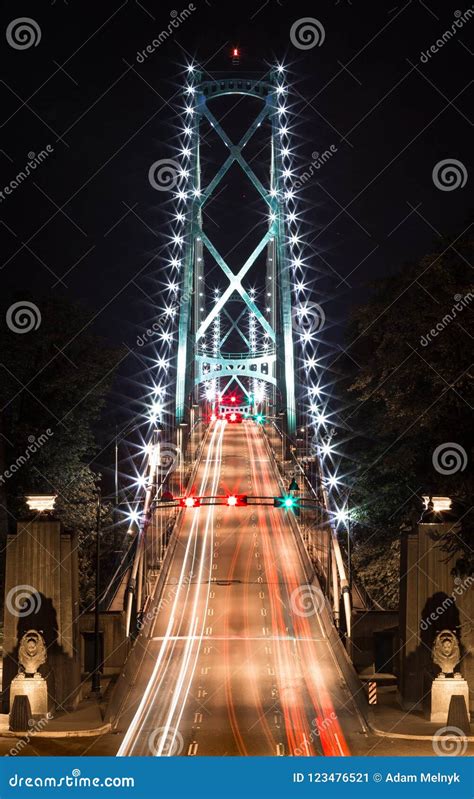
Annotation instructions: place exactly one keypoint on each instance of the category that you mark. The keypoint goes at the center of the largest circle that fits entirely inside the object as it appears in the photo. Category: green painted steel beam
(235, 326)
(232, 156)
(236, 151)
(235, 285)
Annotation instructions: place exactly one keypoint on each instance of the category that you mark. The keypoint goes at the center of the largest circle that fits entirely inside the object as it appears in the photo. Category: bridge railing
(238, 356)
(156, 520)
(316, 523)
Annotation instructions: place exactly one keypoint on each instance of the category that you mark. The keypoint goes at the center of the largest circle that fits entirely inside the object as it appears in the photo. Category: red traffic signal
(190, 502)
(236, 500)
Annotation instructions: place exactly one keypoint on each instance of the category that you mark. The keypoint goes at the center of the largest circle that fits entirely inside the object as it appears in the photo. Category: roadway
(236, 661)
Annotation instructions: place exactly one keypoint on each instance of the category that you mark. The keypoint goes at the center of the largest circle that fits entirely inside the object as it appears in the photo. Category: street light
(42, 503)
(182, 427)
(343, 516)
(129, 428)
(95, 682)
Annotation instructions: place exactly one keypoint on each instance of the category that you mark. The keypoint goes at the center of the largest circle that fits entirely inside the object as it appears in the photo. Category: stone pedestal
(442, 690)
(35, 688)
(41, 563)
(432, 599)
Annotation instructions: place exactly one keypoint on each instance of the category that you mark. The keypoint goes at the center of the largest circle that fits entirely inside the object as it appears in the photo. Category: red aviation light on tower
(233, 399)
(235, 56)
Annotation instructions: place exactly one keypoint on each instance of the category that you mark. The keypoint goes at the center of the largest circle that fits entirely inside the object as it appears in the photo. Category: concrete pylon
(432, 598)
(42, 593)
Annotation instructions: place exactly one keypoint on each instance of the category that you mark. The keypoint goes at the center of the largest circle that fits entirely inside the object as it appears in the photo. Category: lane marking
(339, 744)
(266, 637)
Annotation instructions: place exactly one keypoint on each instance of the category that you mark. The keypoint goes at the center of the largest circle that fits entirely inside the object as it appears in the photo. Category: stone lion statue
(31, 652)
(446, 652)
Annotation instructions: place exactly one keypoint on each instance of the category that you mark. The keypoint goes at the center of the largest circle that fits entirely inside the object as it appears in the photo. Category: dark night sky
(89, 217)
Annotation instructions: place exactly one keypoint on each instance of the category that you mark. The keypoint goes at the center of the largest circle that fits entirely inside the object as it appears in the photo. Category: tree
(55, 380)
(412, 411)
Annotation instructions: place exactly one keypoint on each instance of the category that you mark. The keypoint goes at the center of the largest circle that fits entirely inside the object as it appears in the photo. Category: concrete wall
(431, 599)
(375, 636)
(114, 642)
(43, 558)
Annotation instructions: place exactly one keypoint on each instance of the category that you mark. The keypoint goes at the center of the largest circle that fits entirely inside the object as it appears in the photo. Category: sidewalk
(387, 719)
(85, 721)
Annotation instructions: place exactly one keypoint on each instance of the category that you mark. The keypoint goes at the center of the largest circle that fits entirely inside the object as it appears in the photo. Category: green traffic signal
(288, 502)
(259, 418)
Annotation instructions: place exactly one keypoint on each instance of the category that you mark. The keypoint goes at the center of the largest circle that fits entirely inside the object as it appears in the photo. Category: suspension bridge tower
(239, 335)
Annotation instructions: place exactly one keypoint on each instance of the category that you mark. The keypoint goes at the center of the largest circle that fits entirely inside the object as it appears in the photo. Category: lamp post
(95, 686)
(349, 542)
(116, 467)
(182, 450)
(282, 416)
(349, 549)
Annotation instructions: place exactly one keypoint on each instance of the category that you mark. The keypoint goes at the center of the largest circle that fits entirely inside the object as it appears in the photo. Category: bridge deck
(236, 661)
